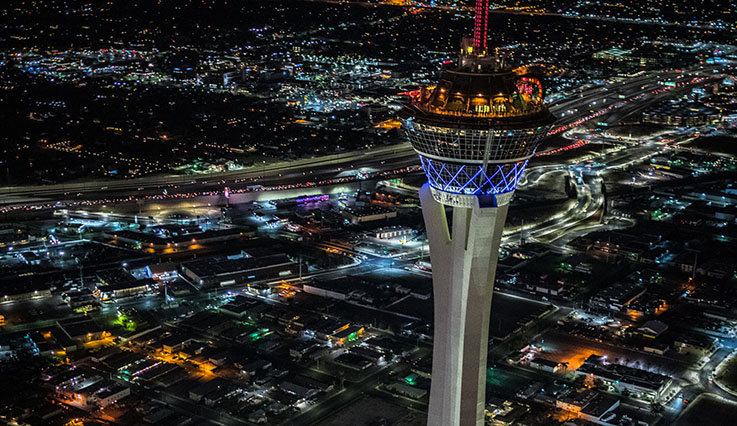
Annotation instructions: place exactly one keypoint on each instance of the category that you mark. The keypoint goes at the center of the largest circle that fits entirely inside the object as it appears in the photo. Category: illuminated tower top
(478, 125)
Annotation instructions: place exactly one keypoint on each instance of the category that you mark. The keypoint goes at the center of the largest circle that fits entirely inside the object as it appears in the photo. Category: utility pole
(696, 258)
(521, 233)
(300, 267)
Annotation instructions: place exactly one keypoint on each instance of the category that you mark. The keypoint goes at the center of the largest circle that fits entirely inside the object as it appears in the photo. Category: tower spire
(480, 26)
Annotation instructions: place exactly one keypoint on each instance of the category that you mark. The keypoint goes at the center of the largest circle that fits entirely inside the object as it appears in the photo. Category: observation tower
(474, 132)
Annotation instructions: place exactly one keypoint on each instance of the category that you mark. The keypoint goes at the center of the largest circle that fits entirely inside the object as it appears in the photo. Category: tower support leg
(464, 259)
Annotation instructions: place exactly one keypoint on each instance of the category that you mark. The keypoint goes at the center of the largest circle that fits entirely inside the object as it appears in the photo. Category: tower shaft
(464, 260)
(474, 131)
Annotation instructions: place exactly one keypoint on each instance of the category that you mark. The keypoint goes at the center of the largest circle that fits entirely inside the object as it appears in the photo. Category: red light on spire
(481, 24)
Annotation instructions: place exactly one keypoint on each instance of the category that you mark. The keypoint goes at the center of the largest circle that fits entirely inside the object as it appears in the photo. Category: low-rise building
(82, 329)
(199, 392)
(600, 410)
(654, 347)
(84, 390)
(547, 365)
(618, 296)
(175, 342)
(330, 289)
(301, 392)
(406, 390)
(504, 412)
(392, 232)
(180, 241)
(110, 394)
(349, 334)
(679, 113)
(640, 384)
(652, 329)
(213, 273)
(574, 402)
(123, 289)
(29, 258)
(695, 344)
(368, 214)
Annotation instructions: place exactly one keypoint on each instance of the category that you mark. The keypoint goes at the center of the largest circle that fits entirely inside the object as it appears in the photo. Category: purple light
(313, 198)
(472, 179)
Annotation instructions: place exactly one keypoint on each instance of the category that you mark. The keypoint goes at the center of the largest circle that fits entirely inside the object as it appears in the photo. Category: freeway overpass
(579, 108)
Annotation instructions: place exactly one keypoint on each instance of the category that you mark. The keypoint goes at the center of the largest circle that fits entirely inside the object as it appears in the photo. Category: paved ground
(709, 410)
(365, 411)
(574, 350)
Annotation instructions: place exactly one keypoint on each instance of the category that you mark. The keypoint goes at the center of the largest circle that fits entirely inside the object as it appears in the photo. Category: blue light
(470, 179)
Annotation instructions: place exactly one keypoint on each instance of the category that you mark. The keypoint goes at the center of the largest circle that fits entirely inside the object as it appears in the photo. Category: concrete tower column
(464, 260)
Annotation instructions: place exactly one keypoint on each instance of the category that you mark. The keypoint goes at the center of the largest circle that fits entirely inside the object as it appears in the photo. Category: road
(578, 108)
(573, 113)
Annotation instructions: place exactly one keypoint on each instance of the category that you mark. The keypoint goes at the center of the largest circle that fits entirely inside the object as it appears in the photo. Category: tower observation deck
(474, 132)
(476, 128)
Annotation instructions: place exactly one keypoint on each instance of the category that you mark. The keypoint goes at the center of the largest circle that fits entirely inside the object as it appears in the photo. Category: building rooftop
(596, 365)
(129, 284)
(79, 327)
(211, 267)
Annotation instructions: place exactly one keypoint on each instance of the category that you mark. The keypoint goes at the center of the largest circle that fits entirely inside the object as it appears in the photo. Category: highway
(578, 108)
